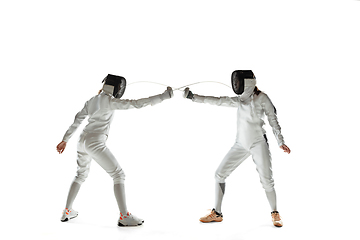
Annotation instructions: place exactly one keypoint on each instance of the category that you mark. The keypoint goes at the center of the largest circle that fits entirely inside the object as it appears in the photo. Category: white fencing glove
(188, 94)
(167, 94)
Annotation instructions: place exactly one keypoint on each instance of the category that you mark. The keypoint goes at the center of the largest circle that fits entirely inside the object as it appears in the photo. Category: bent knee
(82, 173)
(118, 175)
(80, 179)
(268, 185)
(220, 178)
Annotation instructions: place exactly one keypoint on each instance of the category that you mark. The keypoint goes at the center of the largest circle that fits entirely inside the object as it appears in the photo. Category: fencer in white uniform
(92, 143)
(251, 105)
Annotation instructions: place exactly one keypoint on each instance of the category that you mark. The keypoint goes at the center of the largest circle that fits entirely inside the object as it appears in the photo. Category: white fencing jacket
(250, 116)
(100, 109)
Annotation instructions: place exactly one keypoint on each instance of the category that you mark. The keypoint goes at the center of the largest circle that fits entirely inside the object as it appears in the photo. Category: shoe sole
(122, 225)
(279, 225)
(210, 221)
(67, 219)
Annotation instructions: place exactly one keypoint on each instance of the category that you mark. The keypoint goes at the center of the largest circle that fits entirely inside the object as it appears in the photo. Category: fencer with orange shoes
(252, 105)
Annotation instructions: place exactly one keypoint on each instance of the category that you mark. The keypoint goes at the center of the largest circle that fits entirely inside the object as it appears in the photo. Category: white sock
(74, 189)
(271, 196)
(219, 194)
(119, 190)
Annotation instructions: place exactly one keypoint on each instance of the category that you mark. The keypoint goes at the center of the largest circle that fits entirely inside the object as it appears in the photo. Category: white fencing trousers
(261, 156)
(92, 146)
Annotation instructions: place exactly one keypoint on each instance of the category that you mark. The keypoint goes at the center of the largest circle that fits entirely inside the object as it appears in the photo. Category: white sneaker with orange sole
(68, 214)
(129, 220)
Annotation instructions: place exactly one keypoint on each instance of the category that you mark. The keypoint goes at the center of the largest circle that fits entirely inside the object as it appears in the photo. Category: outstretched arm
(218, 101)
(123, 104)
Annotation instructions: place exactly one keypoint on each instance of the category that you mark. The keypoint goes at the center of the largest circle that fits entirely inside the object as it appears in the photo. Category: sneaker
(276, 219)
(68, 214)
(212, 217)
(129, 220)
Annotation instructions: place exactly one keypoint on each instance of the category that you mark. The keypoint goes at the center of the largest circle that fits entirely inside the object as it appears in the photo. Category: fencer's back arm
(218, 101)
(270, 112)
(79, 117)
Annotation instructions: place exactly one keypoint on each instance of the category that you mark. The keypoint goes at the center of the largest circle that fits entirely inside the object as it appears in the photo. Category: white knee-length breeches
(92, 146)
(261, 157)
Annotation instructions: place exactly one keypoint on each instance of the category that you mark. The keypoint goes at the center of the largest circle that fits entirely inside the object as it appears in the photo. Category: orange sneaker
(276, 219)
(212, 217)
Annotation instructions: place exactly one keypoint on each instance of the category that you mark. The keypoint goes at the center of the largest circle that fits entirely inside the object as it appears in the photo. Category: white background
(305, 55)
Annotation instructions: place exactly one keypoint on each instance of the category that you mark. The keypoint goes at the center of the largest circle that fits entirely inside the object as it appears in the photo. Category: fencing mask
(114, 85)
(243, 83)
